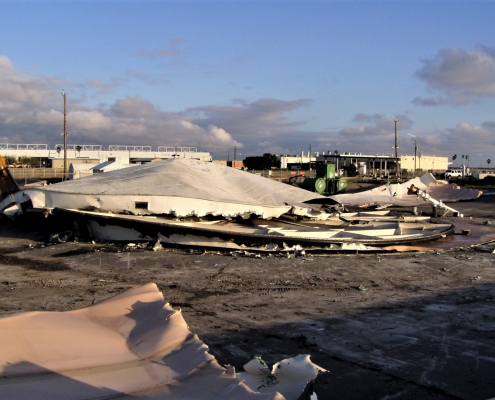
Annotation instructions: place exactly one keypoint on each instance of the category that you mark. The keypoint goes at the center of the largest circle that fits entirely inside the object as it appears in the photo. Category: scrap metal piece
(285, 376)
(406, 194)
(179, 187)
(236, 234)
(133, 345)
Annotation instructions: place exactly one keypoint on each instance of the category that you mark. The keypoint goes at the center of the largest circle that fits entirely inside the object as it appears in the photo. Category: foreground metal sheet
(133, 345)
(400, 194)
(179, 187)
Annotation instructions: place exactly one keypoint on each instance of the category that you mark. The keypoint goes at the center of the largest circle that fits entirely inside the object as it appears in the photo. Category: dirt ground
(387, 326)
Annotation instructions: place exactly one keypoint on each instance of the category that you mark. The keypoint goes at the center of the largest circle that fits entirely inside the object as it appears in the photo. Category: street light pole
(396, 147)
(64, 177)
(415, 154)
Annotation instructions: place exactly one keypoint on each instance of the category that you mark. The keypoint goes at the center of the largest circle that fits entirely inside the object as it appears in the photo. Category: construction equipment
(8, 185)
(326, 181)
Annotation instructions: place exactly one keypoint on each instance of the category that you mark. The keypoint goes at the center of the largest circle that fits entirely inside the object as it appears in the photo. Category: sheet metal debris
(191, 203)
(134, 345)
(178, 187)
(263, 235)
(414, 192)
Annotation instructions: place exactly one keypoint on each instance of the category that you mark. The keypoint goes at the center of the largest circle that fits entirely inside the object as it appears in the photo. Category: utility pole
(310, 156)
(397, 171)
(64, 177)
(300, 166)
(415, 154)
(235, 153)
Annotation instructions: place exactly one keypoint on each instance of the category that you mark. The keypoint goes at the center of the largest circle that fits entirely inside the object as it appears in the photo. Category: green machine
(326, 181)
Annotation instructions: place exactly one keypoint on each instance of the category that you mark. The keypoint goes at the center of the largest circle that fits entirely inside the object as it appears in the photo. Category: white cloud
(50, 117)
(379, 126)
(6, 65)
(464, 76)
(133, 107)
(222, 135)
(31, 111)
(89, 120)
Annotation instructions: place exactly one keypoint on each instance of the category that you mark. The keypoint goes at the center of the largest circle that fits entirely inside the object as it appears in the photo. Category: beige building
(59, 162)
(424, 163)
(384, 165)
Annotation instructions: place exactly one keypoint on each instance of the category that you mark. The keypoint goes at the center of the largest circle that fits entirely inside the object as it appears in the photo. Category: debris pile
(192, 203)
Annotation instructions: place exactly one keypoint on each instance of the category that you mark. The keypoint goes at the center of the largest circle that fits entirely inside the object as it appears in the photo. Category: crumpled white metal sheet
(398, 194)
(182, 187)
(133, 345)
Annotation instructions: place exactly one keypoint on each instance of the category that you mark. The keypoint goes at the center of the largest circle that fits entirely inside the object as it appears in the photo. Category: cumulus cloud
(470, 138)
(370, 134)
(462, 75)
(89, 120)
(262, 118)
(221, 135)
(31, 111)
(133, 106)
(6, 65)
(379, 126)
(262, 125)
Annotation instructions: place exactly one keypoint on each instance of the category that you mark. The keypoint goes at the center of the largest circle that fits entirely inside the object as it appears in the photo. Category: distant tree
(271, 160)
(78, 149)
(454, 157)
(10, 160)
(266, 161)
(29, 161)
(254, 162)
(488, 161)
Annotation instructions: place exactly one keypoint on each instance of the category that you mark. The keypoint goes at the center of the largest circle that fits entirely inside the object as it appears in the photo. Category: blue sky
(261, 76)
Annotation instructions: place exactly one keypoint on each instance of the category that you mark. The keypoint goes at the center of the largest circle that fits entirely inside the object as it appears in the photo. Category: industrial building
(96, 153)
(368, 164)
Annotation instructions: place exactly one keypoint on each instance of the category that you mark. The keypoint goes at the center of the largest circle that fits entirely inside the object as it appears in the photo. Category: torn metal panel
(285, 376)
(230, 234)
(179, 187)
(197, 241)
(404, 194)
(133, 345)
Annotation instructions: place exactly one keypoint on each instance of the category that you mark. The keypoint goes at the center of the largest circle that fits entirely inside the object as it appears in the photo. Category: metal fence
(37, 173)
